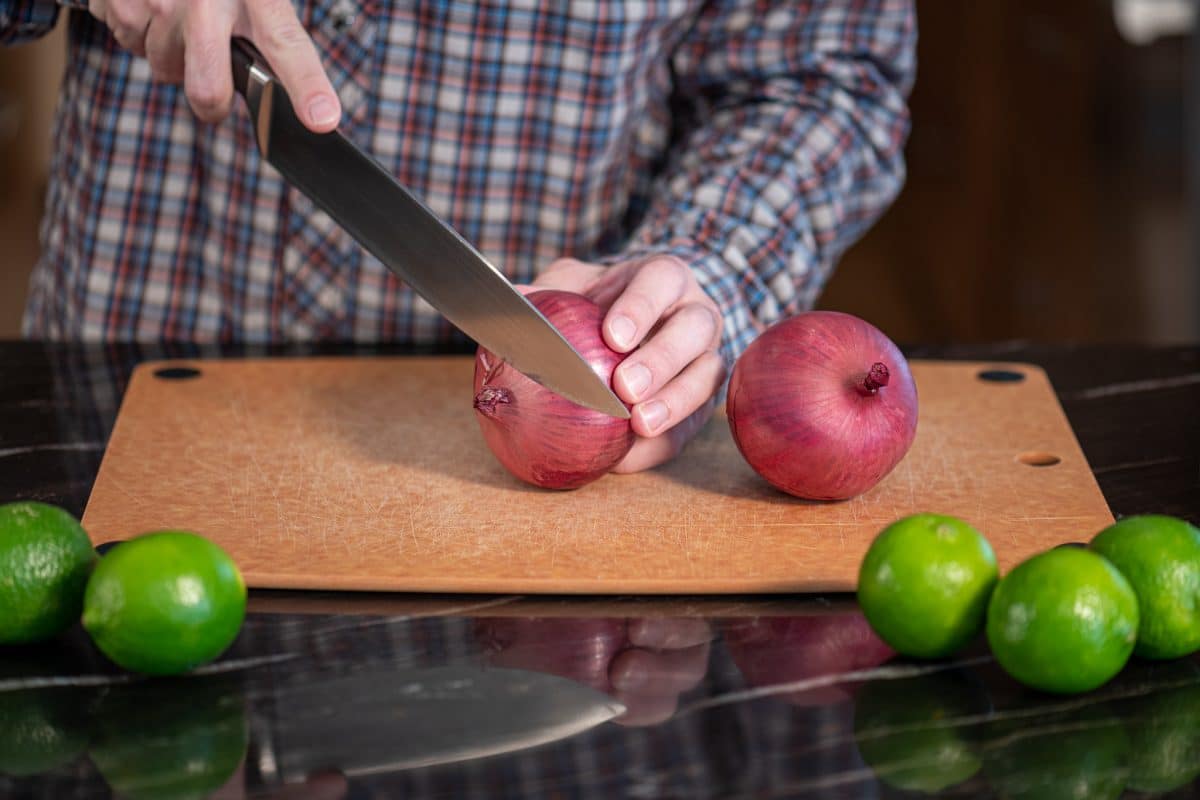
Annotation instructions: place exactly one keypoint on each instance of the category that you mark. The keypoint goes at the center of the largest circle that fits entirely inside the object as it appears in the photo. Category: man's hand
(187, 41)
(656, 312)
(644, 663)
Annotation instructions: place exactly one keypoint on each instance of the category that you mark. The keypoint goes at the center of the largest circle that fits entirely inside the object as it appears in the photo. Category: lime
(44, 729)
(1081, 753)
(924, 584)
(164, 602)
(170, 738)
(914, 732)
(45, 559)
(1162, 715)
(1063, 621)
(1160, 556)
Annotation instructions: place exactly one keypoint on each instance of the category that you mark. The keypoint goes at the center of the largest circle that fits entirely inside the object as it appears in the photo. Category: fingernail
(622, 330)
(654, 414)
(322, 111)
(637, 379)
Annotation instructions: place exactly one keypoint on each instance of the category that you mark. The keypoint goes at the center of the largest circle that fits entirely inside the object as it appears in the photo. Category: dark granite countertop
(389, 695)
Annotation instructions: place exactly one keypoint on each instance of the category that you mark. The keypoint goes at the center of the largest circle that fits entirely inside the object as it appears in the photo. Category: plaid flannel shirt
(755, 139)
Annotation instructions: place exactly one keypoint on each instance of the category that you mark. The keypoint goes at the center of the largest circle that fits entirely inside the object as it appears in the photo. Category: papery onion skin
(811, 411)
(538, 435)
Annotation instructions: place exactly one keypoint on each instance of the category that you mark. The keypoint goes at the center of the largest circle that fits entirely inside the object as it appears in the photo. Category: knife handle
(244, 56)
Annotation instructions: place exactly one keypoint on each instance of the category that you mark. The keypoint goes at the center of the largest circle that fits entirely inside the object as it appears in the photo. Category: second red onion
(822, 405)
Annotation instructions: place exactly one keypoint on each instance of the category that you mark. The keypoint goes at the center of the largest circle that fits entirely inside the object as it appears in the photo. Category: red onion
(822, 405)
(578, 648)
(538, 435)
(770, 651)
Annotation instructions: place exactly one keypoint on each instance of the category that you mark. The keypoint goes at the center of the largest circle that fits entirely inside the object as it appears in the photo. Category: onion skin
(770, 651)
(812, 411)
(538, 435)
(577, 648)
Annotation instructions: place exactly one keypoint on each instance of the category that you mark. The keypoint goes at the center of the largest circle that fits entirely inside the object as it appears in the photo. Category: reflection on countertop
(795, 702)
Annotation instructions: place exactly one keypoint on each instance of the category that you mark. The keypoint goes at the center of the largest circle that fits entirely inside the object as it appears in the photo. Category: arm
(791, 149)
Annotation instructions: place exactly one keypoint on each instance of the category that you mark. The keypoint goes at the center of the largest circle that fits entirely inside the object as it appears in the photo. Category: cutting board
(371, 474)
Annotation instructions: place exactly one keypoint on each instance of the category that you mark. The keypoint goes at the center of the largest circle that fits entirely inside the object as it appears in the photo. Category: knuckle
(205, 98)
(716, 322)
(127, 15)
(663, 359)
(202, 90)
(702, 320)
(640, 307)
(672, 271)
(284, 34)
(711, 363)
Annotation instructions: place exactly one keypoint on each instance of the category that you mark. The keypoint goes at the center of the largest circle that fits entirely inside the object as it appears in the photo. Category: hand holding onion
(644, 663)
(662, 321)
(646, 327)
(822, 405)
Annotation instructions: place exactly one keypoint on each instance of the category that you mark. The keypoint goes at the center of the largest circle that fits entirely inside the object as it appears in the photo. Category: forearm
(792, 153)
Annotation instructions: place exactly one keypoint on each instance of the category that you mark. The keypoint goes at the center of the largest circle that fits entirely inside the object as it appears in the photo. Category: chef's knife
(411, 241)
(388, 720)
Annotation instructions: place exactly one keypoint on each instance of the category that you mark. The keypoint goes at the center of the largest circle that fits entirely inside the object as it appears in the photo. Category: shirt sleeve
(794, 119)
(22, 20)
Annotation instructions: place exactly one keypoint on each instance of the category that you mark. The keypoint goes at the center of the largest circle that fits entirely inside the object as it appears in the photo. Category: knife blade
(412, 241)
(382, 720)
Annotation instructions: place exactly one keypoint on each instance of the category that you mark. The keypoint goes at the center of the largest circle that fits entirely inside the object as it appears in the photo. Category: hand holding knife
(411, 241)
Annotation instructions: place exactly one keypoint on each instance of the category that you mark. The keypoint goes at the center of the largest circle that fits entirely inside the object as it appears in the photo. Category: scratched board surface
(371, 474)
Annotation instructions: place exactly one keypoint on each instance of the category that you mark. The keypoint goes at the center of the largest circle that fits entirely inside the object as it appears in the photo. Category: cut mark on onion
(1001, 376)
(1039, 459)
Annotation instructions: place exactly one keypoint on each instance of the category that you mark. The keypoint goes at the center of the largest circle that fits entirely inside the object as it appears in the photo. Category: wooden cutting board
(371, 474)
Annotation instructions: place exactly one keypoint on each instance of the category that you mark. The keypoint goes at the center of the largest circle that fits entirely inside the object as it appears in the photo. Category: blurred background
(1053, 190)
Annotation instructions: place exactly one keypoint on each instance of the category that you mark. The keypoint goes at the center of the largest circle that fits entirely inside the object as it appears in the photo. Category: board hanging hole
(1001, 376)
(176, 373)
(1039, 459)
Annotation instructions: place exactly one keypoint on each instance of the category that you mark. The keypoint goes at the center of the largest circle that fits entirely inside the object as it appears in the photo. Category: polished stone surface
(387, 695)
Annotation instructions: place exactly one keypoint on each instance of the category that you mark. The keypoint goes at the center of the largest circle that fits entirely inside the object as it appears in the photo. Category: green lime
(45, 559)
(1160, 556)
(924, 584)
(170, 738)
(44, 729)
(914, 732)
(1162, 715)
(164, 602)
(1063, 621)
(1082, 753)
